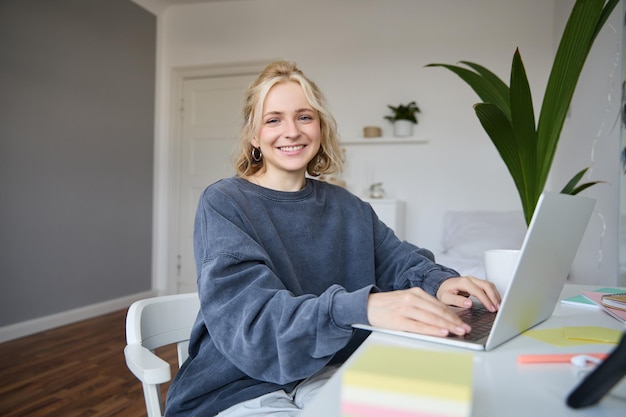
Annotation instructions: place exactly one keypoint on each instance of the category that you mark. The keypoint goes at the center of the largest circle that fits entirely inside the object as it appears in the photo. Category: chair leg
(183, 352)
(154, 404)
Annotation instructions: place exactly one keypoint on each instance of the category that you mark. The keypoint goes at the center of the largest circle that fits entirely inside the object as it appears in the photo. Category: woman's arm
(421, 290)
(402, 265)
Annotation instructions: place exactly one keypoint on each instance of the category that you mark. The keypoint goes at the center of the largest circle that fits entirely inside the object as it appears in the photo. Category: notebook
(547, 253)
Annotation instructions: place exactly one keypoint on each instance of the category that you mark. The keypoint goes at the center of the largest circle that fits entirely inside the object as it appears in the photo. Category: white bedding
(468, 234)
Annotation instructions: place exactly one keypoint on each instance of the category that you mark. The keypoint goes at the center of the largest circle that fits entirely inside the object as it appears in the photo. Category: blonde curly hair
(329, 158)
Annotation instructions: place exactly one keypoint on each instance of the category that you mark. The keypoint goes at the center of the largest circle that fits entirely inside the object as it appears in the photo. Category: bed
(468, 234)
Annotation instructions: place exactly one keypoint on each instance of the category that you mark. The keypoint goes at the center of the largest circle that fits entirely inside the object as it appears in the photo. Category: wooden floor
(75, 370)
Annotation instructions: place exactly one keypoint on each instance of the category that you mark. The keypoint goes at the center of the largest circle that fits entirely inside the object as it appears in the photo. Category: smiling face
(289, 137)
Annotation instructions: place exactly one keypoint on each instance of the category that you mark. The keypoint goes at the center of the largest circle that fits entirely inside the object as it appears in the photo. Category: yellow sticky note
(592, 334)
(554, 337)
(396, 381)
(575, 336)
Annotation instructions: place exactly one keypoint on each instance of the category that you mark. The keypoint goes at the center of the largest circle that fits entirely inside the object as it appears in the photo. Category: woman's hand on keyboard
(413, 310)
(455, 292)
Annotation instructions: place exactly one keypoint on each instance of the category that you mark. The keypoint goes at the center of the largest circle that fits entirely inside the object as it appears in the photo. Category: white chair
(153, 323)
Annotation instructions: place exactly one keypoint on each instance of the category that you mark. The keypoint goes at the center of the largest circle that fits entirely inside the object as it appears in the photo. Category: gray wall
(76, 153)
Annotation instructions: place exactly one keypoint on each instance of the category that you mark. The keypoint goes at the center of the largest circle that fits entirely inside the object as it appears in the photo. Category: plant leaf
(571, 185)
(523, 124)
(606, 12)
(499, 129)
(572, 188)
(568, 63)
(584, 186)
(501, 96)
(485, 84)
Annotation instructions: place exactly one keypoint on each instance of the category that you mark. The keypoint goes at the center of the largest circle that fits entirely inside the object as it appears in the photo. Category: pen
(555, 358)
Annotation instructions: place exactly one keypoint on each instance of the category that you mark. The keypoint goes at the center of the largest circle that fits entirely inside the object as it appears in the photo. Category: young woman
(286, 264)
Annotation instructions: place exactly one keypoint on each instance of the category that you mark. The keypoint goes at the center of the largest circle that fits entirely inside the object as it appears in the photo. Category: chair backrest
(160, 321)
(152, 323)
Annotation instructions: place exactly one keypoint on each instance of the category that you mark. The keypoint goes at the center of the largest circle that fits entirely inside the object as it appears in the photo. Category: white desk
(501, 386)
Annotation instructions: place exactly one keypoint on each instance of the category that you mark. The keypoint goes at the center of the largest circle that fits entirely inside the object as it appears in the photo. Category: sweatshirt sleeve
(401, 265)
(265, 330)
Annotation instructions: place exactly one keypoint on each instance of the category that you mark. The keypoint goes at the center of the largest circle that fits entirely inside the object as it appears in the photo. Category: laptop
(548, 251)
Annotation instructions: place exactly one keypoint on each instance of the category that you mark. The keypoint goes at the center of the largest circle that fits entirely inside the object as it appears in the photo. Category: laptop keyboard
(480, 319)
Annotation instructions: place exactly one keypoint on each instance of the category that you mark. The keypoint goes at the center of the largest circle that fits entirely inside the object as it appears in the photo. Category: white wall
(591, 137)
(366, 54)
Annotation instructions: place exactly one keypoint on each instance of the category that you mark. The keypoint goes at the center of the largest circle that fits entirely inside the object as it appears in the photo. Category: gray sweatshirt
(282, 276)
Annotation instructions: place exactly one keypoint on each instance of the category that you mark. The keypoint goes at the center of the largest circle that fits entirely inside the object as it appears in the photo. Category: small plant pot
(403, 128)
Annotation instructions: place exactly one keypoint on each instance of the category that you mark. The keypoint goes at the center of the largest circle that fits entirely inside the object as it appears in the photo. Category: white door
(211, 117)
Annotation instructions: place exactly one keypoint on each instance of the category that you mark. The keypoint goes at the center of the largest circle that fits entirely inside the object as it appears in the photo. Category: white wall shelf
(390, 140)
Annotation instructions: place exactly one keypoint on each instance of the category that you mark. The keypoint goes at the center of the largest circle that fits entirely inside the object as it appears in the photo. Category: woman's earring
(257, 155)
(319, 158)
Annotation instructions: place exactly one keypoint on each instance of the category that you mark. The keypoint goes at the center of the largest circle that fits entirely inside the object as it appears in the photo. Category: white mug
(499, 267)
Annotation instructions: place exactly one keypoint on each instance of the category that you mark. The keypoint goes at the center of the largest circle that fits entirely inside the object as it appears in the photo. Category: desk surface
(501, 386)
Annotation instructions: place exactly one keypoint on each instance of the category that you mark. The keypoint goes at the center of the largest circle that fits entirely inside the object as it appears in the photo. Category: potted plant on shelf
(403, 118)
(507, 114)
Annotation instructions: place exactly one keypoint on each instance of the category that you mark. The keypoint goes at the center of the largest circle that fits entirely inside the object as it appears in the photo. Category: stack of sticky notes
(393, 381)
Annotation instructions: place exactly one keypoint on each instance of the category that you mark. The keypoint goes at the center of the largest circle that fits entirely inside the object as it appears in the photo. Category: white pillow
(469, 234)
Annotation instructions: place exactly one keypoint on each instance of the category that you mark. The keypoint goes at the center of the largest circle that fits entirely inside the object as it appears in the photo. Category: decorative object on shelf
(507, 113)
(372, 132)
(376, 190)
(403, 118)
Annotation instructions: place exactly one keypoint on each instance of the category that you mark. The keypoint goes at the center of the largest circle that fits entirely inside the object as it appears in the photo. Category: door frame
(169, 243)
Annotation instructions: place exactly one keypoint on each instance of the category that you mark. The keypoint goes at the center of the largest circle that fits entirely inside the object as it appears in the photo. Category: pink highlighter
(579, 359)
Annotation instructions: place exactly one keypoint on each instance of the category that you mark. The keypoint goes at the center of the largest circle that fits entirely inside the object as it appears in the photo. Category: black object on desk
(600, 381)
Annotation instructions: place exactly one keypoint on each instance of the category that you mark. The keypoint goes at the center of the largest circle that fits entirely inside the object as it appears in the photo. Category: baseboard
(26, 328)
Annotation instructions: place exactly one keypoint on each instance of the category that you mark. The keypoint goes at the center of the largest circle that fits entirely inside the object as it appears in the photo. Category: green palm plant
(507, 113)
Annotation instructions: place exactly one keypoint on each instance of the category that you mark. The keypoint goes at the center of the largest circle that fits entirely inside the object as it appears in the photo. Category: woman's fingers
(454, 292)
(415, 311)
